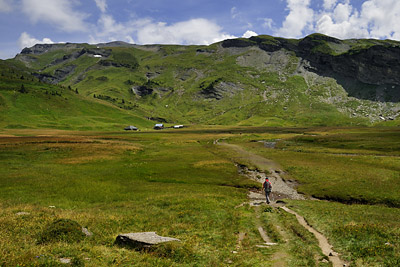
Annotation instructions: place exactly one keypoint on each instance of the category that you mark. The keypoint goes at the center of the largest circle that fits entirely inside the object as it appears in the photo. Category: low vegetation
(367, 235)
(118, 182)
(347, 165)
(357, 166)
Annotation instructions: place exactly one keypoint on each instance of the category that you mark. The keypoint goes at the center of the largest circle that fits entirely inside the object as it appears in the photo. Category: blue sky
(24, 23)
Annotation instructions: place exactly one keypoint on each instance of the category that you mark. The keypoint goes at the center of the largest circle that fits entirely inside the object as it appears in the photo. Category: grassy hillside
(25, 102)
(262, 81)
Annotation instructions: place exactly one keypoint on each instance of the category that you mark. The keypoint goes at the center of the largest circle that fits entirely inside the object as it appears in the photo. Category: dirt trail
(322, 240)
(281, 189)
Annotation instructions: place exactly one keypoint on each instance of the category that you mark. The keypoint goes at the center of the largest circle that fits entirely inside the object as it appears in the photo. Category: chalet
(130, 128)
(159, 126)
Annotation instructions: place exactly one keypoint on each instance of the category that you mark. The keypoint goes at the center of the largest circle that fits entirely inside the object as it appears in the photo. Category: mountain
(263, 80)
(27, 102)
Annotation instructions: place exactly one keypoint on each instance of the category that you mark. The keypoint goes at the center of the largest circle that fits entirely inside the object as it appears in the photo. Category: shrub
(102, 78)
(62, 230)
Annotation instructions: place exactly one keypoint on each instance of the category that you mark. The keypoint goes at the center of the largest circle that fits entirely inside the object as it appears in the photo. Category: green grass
(180, 185)
(366, 235)
(348, 165)
(113, 185)
(57, 107)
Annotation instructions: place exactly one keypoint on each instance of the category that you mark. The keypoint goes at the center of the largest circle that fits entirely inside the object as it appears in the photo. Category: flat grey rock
(142, 239)
(86, 231)
(22, 213)
(65, 260)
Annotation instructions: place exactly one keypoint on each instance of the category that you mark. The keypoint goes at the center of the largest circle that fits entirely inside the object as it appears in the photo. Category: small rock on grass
(86, 231)
(22, 213)
(65, 260)
(142, 240)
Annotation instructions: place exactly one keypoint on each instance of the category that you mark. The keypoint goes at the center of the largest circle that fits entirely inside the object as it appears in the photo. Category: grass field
(346, 165)
(178, 184)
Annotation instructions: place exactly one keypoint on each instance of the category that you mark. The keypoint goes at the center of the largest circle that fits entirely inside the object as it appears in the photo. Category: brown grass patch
(96, 151)
(72, 149)
(210, 163)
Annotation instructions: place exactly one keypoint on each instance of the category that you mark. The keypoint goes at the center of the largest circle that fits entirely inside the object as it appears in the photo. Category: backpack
(267, 186)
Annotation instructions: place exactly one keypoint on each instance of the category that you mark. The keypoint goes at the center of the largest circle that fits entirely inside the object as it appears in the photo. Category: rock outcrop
(367, 69)
(142, 240)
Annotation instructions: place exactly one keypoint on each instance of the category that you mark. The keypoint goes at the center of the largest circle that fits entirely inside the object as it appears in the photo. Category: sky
(24, 23)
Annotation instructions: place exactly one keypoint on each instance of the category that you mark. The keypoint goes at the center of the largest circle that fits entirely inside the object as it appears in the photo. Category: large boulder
(142, 240)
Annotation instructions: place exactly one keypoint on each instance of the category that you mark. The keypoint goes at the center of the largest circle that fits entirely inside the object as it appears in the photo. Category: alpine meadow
(319, 116)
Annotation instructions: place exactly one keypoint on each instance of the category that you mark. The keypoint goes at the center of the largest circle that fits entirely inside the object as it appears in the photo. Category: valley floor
(187, 185)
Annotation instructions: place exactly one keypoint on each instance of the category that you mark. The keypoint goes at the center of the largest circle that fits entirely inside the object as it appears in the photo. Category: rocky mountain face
(367, 69)
(262, 80)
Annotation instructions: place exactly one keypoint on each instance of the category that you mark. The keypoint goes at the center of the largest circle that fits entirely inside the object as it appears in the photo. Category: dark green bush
(62, 230)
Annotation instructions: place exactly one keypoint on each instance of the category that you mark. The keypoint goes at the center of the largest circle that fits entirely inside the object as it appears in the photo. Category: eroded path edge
(281, 187)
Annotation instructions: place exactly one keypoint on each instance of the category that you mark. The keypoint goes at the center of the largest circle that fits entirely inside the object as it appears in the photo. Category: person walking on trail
(267, 189)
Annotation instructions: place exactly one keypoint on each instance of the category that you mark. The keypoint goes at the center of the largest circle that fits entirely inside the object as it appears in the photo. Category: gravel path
(281, 189)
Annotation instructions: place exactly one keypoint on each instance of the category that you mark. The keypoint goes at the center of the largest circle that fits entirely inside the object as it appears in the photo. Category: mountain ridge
(262, 80)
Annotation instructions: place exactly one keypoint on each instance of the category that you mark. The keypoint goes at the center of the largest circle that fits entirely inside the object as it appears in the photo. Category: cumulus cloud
(299, 19)
(329, 4)
(339, 18)
(25, 40)
(107, 30)
(148, 31)
(5, 6)
(102, 5)
(342, 12)
(382, 17)
(194, 31)
(60, 13)
(375, 19)
(267, 23)
(249, 34)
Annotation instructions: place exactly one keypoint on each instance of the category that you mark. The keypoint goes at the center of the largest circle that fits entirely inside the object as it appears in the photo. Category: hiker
(267, 189)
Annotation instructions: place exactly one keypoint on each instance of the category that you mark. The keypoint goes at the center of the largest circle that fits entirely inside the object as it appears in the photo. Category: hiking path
(281, 189)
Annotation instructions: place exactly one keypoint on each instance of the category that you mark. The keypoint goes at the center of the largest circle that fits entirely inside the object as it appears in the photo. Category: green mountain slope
(264, 80)
(25, 102)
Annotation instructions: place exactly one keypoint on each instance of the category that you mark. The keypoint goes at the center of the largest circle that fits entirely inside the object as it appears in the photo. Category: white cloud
(329, 4)
(382, 18)
(376, 19)
(25, 40)
(108, 30)
(249, 34)
(299, 19)
(342, 12)
(194, 31)
(268, 23)
(102, 5)
(343, 30)
(5, 6)
(59, 13)
(148, 31)
(339, 18)
(234, 12)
